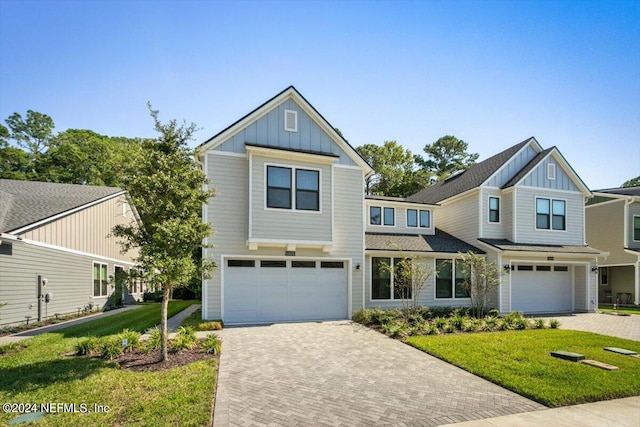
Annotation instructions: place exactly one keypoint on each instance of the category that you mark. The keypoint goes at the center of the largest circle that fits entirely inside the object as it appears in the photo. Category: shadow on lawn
(24, 378)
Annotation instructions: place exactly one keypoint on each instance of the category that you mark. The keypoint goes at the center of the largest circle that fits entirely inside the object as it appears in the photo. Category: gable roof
(289, 92)
(23, 203)
(469, 179)
(528, 168)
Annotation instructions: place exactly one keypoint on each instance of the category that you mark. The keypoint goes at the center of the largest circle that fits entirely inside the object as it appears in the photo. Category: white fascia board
(290, 155)
(616, 196)
(71, 211)
(532, 142)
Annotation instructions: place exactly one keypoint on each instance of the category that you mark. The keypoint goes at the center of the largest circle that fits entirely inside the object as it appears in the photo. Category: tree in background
(35, 134)
(14, 162)
(167, 188)
(446, 157)
(394, 167)
(633, 182)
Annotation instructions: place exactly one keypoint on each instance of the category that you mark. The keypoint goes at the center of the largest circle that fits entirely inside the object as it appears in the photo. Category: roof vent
(290, 121)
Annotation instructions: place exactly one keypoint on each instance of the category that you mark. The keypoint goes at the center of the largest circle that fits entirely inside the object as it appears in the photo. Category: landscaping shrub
(554, 324)
(520, 323)
(490, 323)
(432, 330)
(112, 348)
(449, 328)
(153, 343)
(210, 326)
(440, 322)
(151, 296)
(470, 325)
(132, 337)
(457, 321)
(211, 345)
(88, 346)
(363, 316)
(441, 311)
(185, 339)
(538, 323)
(494, 312)
(425, 312)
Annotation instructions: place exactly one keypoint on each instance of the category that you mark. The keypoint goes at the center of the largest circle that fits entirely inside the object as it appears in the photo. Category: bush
(521, 323)
(211, 345)
(440, 322)
(554, 324)
(153, 343)
(8, 347)
(185, 339)
(209, 326)
(425, 312)
(449, 328)
(457, 321)
(362, 316)
(432, 330)
(390, 315)
(132, 337)
(441, 311)
(538, 323)
(112, 348)
(152, 296)
(470, 325)
(490, 323)
(494, 312)
(88, 346)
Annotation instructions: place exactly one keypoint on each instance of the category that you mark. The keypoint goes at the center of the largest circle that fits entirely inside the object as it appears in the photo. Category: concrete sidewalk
(52, 328)
(610, 413)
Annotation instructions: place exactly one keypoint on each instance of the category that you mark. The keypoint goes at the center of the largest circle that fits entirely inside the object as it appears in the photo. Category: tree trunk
(164, 350)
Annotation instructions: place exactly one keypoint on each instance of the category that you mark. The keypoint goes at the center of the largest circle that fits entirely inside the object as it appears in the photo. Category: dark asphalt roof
(528, 168)
(507, 245)
(466, 180)
(26, 202)
(625, 191)
(438, 242)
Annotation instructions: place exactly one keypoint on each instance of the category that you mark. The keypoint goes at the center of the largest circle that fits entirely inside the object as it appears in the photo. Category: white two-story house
(296, 238)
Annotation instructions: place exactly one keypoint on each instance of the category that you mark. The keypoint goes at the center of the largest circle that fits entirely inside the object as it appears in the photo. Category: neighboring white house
(55, 239)
(613, 225)
(296, 239)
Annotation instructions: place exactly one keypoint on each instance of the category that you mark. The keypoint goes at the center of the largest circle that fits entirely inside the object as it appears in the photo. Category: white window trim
(100, 264)
(551, 171)
(293, 189)
(633, 223)
(453, 284)
(601, 269)
(382, 224)
(550, 229)
(295, 120)
(418, 222)
(489, 210)
(392, 278)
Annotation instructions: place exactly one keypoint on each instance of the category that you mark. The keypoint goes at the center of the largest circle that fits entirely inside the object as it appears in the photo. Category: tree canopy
(445, 157)
(633, 182)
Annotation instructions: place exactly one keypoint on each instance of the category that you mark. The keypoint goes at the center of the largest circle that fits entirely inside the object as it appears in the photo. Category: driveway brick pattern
(605, 324)
(343, 374)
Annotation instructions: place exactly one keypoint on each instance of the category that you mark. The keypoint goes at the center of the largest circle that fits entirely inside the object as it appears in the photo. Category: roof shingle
(438, 242)
(507, 245)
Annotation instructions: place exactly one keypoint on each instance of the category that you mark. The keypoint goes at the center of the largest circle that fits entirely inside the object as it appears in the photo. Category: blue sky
(492, 73)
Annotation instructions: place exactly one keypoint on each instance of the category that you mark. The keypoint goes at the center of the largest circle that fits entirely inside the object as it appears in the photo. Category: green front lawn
(626, 310)
(43, 372)
(520, 361)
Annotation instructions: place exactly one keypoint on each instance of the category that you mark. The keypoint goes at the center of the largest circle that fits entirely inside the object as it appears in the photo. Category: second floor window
(280, 184)
(494, 209)
(551, 214)
(413, 215)
(382, 216)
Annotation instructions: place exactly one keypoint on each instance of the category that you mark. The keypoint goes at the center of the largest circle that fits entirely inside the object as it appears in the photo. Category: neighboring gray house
(613, 225)
(55, 239)
(296, 239)
(525, 208)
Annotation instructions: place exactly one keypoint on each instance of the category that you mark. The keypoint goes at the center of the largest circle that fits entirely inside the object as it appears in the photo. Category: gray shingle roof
(439, 242)
(625, 191)
(507, 245)
(528, 168)
(26, 202)
(467, 180)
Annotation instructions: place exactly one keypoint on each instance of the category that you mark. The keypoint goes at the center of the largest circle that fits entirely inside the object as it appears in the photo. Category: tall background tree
(633, 182)
(166, 186)
(445, 157)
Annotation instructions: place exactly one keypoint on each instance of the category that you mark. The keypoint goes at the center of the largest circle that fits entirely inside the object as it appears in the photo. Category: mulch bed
(149, 362)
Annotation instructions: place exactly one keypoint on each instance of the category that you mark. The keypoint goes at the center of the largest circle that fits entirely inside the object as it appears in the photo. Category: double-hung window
(383, 282)
(450, 279)
(494, 209)
(382, 216)
(418, 217)
(551, 214)
(281, 182)
(99, 279)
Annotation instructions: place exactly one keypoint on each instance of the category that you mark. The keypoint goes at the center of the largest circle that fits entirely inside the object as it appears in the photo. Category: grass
(626, 310)
(520, 361)
(42, 373)
(195, 321)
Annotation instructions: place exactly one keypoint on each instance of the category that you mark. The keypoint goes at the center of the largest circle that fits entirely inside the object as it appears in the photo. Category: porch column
(636, 275)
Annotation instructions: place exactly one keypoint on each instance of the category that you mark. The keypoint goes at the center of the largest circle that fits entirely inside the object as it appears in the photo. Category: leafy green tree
(633, 182)
(167, 189)
(481, 279)
(394, 170)
(35, 134)
(445, 157)
(14, 162)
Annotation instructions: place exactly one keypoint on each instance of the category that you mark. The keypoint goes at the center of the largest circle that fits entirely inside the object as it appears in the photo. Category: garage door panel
(270, 294)
(540, 289)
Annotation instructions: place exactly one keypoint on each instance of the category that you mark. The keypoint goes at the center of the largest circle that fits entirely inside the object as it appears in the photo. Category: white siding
(526, 217)
(501, 230)
(605, 231)
(300, 225)
(580, 288)
(460, 218)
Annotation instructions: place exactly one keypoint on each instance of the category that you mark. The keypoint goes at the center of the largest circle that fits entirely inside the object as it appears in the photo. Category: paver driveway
(341, 373)
(605, 324)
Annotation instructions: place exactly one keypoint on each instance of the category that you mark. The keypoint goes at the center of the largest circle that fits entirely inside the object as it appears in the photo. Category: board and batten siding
(634, 210)
(460, 218)
(269, 130)
(605, 231)
(88, 230)
(300, 225)
(538, 177)
(526, 231)
(69, 275)
(514, 166)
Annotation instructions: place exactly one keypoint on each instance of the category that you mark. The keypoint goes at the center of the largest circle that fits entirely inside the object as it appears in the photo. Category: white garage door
(541, 288)
(275, 290)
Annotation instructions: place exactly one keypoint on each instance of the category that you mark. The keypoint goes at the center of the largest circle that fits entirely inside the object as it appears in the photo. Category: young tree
(445, 157)
(481, 279)
(167, 189)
